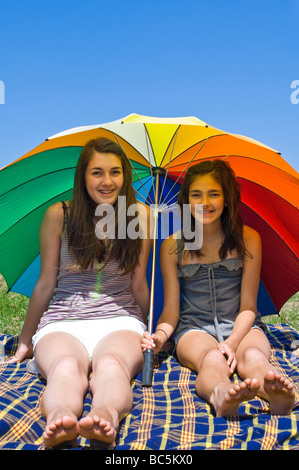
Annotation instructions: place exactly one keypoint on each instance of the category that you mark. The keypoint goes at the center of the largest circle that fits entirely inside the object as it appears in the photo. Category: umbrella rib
(235, 155)
(270, 226)
(147, 140)
(184, 170)
(34, 209)
(167, 208)
(142, 186)
(42, 175)
(144, 198)
(136, 175)
(170, 158)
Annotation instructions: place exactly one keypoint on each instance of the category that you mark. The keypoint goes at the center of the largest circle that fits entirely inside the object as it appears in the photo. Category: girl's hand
(227, 352)
(23, 352)
(154, 342)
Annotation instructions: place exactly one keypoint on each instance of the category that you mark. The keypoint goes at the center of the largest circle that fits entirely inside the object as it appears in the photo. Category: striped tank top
(90, 294)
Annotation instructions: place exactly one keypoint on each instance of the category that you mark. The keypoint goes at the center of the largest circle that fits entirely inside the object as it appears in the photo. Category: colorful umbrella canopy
(158, 148)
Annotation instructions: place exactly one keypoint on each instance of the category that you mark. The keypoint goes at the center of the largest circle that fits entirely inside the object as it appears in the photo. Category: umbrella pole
(147, 371)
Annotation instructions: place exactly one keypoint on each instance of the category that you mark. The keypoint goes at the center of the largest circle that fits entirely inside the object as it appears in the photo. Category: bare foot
(98, 428)
(63, 428)
(281, 393)
(226, 397)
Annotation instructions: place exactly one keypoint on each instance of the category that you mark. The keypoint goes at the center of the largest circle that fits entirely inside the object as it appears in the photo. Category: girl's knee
(67, 366)
(251, 356)
(212, 358)
(108, 364)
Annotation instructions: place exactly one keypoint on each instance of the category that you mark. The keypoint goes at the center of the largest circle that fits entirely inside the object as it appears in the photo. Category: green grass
(13, 309)
(289, 314)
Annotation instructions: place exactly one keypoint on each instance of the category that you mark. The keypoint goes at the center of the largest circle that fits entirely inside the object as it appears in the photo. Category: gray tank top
(210, 297)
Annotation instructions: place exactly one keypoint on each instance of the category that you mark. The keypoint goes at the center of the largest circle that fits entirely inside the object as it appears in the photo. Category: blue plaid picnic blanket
(167, 416)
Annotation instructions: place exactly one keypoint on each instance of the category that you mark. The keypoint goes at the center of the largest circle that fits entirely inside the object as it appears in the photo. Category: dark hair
(80, 227)
(232, 223)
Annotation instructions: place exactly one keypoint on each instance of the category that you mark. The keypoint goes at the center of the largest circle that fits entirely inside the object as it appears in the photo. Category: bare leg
(253, 355)
(64, 363)
(199, 352)
(116, 360)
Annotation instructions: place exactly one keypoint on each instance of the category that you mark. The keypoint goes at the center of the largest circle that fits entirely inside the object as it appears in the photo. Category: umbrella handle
(147, 371)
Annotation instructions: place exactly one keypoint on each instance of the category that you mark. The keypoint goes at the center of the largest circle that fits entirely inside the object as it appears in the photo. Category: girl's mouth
(106, 191)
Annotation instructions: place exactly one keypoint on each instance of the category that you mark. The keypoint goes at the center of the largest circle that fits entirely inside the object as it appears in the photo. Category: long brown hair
(81, 234)
(231, 220)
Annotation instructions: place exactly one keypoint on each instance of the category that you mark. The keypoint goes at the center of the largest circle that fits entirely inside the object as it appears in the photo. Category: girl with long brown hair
(216, 327)
(88, 310)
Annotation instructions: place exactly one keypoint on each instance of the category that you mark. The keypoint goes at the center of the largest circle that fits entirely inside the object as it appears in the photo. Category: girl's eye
(197, 195)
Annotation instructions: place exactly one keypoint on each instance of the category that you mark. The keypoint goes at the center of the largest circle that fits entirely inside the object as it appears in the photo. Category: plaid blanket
(168, 416)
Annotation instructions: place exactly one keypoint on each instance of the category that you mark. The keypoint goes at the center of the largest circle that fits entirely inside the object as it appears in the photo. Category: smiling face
(206, 191)
(104, 178)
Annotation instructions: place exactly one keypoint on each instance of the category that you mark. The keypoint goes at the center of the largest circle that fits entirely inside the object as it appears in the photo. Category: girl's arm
(171, 306)
(249, 288)
(49, 235)
(140, 287)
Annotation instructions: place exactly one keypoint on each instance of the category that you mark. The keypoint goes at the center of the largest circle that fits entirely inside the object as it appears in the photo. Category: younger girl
(89, 305)
(217, 328)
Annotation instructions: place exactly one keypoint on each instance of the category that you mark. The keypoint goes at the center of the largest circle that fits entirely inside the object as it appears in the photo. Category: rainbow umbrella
(160, 150)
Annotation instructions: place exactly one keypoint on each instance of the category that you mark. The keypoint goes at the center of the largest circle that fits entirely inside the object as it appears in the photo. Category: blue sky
(67, 63)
